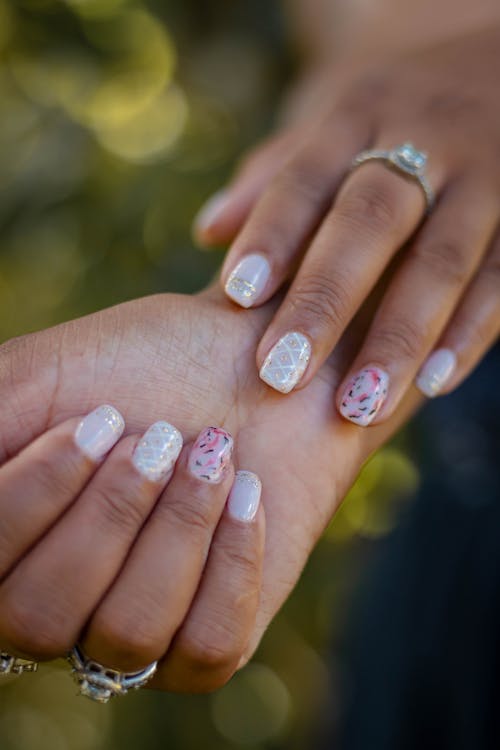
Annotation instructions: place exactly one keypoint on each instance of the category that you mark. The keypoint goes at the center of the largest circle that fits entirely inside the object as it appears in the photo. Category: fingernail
(287, 361)
(244, 498)
(157, 451)
(364, 395)
(436, 372)
(210, 212)
(247, 281)
(98, 432)
(211, 454)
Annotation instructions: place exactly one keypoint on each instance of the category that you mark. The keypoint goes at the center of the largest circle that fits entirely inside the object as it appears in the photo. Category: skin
(200, 374)
(189, 353)
(335, 234)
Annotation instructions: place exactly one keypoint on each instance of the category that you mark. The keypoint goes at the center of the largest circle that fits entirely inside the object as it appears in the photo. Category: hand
(187, 360)
(441, 311)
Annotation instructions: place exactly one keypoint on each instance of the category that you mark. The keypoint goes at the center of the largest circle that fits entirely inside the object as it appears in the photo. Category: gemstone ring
(405, 159)
(13, 665)
(100, 683)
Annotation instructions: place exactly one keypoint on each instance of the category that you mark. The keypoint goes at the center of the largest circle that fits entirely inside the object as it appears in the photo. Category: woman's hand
(292, 205)
(100, 548)
(92, 525)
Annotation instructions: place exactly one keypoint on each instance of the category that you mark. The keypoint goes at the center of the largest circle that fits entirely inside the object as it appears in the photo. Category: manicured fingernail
(210, 212)
(436, 372)
(364, 395)
(157, 451)
(287, 361)
(247, 281)
(211, 454)
(98, 432)
(244, 498)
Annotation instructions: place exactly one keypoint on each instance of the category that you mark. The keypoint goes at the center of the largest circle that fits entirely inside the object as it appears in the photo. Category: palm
(191, 360)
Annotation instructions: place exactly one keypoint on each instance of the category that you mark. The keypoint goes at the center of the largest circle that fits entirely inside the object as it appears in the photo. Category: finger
(210, 644)
(376, 211)
(222, 216)
(39, 484)
(49, 596)
(473, 330)
(419, 302)
(289, 211)
(139, 616)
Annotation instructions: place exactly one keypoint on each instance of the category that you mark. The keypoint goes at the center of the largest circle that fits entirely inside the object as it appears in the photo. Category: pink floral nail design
(364, 395)
(211, 454)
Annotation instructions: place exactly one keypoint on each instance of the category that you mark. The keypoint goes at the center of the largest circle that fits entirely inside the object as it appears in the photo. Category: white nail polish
(287, 361)
(247, 281)
(209, 213)
(436, 372)
(157, 451)
(99, 431)
(244, 498)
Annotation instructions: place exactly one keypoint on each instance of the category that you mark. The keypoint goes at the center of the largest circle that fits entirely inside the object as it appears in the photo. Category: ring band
(14, 665)
(100, 683)
(407, 160)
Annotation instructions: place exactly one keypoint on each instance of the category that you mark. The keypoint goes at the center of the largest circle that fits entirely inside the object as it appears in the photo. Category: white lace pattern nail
(157, 451)
(287, 361)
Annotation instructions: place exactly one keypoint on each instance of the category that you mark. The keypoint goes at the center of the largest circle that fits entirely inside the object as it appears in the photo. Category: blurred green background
(117, 119)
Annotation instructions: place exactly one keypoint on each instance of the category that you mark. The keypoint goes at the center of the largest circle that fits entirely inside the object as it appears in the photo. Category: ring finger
(375, 212)
(419, 302)
(138, 618)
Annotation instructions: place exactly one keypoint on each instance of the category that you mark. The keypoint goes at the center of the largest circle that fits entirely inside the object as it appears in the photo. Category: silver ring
(13, 665)
(406, 159)
(100, 683)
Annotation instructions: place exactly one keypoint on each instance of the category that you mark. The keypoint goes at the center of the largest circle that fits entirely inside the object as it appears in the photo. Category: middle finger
(376, 211)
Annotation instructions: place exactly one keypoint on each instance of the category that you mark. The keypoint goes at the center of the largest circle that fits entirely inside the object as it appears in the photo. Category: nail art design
(247, 281)
(364, 396)
(287, 361)
(99, 431)
(436, 372)
(211, 454)
(157, 451)
(244, 498)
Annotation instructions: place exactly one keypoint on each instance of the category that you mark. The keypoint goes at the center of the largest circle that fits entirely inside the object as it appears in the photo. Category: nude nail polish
(157, 451)
(364, 396)
(210, 212)
(244, 498)
(436, 372)
(248, 280)
(99, 431)
(211, 455)
(287, 362)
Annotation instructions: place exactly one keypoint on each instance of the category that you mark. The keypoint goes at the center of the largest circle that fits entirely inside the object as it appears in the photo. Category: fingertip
(361, 397)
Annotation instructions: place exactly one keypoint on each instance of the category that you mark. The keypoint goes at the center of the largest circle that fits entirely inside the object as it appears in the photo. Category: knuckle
(306, 175)
(368, 91)
(244, 566)
(34, 630)
(446, 258)
(133, 643)
(450, 105)
(371, 206)
(402, 338)
(322, 299)
(189, 513)
(210, 649)
(117, 508)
